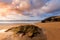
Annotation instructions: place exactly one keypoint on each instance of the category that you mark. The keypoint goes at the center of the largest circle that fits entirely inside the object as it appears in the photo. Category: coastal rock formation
(26, 32)
(52, 19)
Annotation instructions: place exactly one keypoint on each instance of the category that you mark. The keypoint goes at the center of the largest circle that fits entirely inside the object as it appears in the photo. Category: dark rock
(27, 32)
(52, 19)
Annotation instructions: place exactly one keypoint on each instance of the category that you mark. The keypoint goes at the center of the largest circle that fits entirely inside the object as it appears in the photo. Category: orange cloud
(5, 9)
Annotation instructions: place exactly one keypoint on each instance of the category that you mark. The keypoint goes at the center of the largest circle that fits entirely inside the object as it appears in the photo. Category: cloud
(51, 6)
(46, 6)
(37, 3)
(7, 1)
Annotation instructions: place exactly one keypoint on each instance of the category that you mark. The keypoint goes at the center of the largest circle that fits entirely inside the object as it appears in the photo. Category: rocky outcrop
(26, 32)
(52, 19)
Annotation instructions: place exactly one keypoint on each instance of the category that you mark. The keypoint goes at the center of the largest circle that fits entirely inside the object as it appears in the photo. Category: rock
(26, 32)
(52, 19)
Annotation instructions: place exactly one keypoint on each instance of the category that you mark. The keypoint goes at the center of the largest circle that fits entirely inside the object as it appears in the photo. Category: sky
(51, 8)
(41, 9)
(46, 8)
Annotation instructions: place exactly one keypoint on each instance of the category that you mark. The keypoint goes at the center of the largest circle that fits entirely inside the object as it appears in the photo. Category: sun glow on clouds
(15, 6)
(4, 9)
(44, 7)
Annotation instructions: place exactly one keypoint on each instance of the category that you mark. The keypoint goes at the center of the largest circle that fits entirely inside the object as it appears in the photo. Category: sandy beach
(52, 29)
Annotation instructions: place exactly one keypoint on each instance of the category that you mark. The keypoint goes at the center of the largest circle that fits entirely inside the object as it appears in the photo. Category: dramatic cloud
(47, 5)
(44, 6)
(38, 7)
(51, 6)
